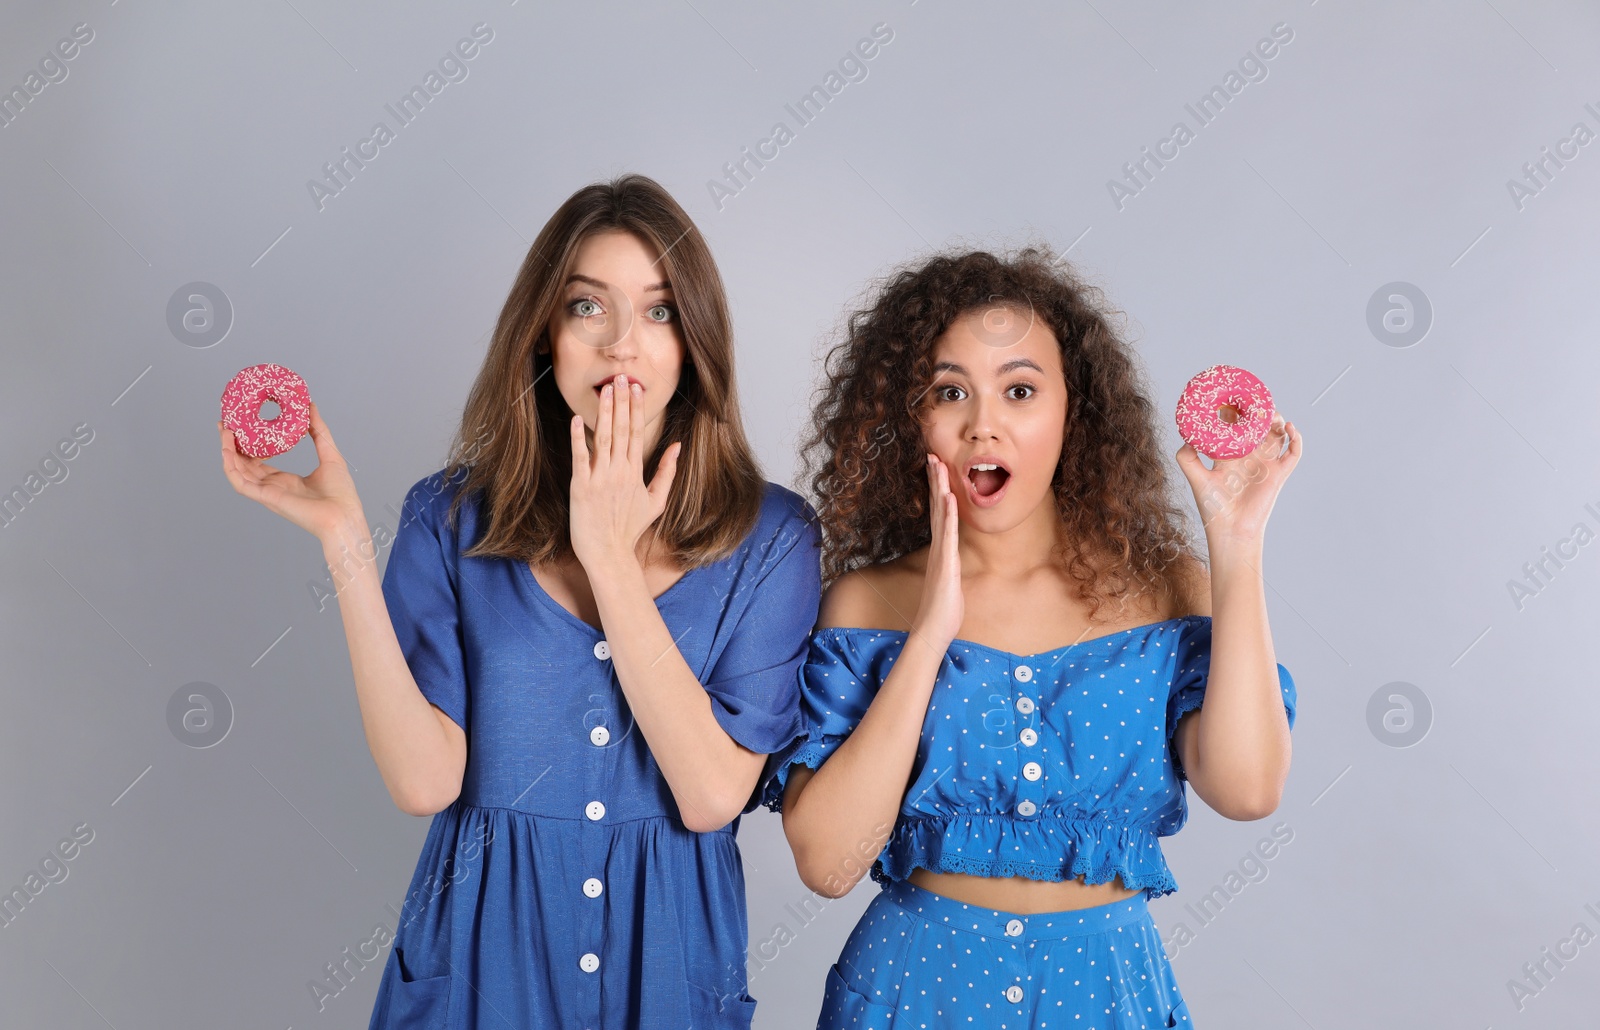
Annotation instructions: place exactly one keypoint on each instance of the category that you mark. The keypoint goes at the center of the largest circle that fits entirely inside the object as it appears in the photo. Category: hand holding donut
(943, 607)
(1251, 459)
(319, 503)
(610, 504)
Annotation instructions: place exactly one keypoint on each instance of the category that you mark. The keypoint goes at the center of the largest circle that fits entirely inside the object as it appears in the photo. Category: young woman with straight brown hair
(584, 646)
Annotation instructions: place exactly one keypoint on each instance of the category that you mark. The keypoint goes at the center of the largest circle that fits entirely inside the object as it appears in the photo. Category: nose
(617, 340)
(981, 419)
(621, 344)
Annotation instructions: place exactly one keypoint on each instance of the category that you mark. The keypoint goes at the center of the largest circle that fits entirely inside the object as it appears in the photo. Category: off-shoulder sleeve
(1189, 682)
(836, 686)
(419, 589)
(754, 684)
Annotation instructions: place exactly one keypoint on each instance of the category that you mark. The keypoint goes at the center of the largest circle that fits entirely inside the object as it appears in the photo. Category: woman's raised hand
(1236, 495)
(318, 503)
(942, 609)
(610, 505)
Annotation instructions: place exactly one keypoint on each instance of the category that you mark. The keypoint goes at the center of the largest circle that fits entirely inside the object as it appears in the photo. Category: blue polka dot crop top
(1049, 765)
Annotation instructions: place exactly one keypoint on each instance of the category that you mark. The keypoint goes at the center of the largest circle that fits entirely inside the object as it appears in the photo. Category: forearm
(420, 763)
(697, 757)
(1242, 744)
(848, 807)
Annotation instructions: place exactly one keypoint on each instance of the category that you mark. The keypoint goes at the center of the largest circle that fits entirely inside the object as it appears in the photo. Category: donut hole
(1228, 413)
(269, 410)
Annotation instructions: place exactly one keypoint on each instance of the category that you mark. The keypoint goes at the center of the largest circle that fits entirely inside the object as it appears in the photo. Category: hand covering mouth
(612, 379)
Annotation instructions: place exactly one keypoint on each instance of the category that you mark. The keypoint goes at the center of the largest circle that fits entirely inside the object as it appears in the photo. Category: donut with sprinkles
(241, 410)
(1200, 421)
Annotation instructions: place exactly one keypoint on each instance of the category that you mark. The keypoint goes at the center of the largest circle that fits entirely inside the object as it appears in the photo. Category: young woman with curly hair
(1003, 693)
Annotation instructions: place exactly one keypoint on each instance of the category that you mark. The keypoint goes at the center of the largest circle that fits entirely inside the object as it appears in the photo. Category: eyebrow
(653, 287)
(1014, 363)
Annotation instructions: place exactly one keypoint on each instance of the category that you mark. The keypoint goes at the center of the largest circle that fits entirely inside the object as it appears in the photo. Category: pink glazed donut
(1203, 428)
(241, 410)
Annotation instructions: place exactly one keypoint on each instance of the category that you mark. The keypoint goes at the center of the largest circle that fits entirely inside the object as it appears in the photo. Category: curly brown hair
(864, 455)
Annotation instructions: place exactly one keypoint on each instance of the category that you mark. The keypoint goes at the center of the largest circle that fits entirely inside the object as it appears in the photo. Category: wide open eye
(662, 312)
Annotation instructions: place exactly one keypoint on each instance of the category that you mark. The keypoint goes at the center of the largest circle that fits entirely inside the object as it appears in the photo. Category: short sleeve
(836, 687)
(419, 589)
(754, 688)
(1189, 682)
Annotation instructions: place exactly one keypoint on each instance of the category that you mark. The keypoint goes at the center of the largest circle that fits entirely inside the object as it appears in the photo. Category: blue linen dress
(561, 889)
(1048, 766)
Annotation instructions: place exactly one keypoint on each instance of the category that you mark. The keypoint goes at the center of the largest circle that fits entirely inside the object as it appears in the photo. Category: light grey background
(1378, 148)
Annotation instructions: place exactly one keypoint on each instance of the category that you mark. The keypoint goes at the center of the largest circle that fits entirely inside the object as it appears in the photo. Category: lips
(608, 379)
(987, 478)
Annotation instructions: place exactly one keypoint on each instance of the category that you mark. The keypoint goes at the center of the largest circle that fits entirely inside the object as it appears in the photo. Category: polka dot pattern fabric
(1049, 766)
(919, 959)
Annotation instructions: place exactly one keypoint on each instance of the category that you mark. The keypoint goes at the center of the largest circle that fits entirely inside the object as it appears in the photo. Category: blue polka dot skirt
(919, 959)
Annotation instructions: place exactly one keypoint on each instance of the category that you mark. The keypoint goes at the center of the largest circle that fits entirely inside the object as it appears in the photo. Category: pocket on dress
(843, 1007)
(1180, 1015)
(714, 1011)
(416, 1004)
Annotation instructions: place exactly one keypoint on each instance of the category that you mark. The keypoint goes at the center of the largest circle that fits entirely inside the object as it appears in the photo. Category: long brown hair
(514, 438)
(864, 451)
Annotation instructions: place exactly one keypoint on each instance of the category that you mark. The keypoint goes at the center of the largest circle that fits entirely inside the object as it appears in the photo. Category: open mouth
(986, 482)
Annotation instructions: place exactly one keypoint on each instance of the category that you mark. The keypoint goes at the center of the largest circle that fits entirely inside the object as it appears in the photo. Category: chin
(1013, 510)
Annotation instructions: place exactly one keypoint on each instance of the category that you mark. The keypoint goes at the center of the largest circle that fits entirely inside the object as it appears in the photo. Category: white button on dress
(602, 650)
(1026, 808)
(599, 735)
(590, 962)
(1014, 928)
(594, 810)
(1028, 737)
(1024, 673)
(1025, 705)
(1013, 994)
(1032, 771)
(592, 887)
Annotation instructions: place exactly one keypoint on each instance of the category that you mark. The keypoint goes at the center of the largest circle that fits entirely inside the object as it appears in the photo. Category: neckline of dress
(1020, 657)
(595, 631)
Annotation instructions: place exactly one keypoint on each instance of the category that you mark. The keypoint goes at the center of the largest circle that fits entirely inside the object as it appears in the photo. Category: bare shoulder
(873, 597)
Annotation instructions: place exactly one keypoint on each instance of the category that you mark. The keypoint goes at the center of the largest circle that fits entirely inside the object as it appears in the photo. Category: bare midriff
(1020, 894)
